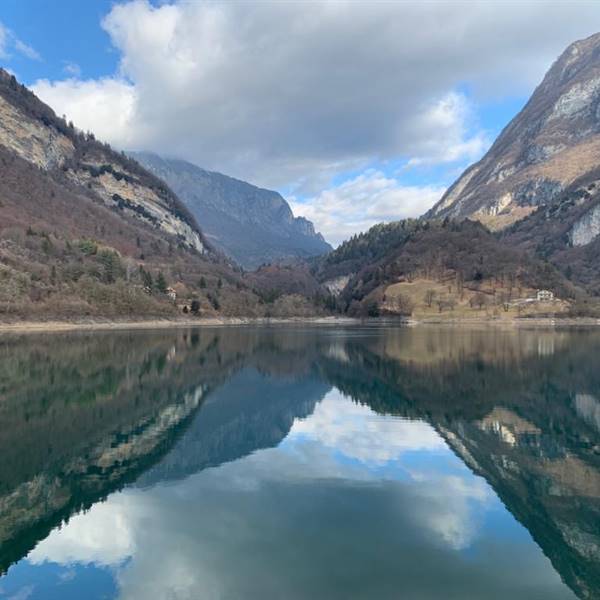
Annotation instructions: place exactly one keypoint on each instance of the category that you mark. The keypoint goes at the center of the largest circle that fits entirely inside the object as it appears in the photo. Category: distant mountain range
(252, 225)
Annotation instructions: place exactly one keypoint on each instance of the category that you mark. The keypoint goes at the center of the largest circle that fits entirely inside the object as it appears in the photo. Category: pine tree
(161, 283)
(146, 279)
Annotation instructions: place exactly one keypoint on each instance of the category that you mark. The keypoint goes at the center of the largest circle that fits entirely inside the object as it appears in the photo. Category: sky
(357, 112)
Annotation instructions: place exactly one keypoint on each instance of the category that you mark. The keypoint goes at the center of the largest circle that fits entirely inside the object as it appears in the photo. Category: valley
(91, 233)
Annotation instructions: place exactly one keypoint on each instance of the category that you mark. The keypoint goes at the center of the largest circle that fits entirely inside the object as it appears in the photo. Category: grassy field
(434, 299)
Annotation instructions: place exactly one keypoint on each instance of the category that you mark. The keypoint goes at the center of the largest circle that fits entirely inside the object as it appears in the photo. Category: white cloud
(357, 432)
(3, 41)
(26, 49)
(363, 201)
(72, 69)
(452, 117)
(296, 92)
(103, 535)
(104, 106)
(9, 43)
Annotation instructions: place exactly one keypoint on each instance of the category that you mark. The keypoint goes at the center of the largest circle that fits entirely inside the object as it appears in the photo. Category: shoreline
(149, 324)
(108, 324)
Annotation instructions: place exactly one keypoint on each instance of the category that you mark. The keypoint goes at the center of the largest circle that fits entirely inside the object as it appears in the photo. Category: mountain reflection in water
(300, 463)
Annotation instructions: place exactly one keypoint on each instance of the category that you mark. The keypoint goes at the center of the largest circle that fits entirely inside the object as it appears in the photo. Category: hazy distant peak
(251, 224)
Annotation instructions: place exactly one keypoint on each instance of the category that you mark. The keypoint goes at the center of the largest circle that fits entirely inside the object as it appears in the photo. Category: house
(545, 296)
(171, 293)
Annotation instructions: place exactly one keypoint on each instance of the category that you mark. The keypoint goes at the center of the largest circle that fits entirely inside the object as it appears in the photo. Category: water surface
(366, 462)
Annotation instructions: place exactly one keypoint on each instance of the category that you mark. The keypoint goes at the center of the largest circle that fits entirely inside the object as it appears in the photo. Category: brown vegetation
(465, 263)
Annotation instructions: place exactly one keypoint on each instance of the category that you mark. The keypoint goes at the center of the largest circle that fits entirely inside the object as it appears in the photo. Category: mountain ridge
(252, 225)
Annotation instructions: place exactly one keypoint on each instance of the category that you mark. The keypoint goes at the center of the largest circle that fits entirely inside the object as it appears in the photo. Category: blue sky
(62, 32)
(356, 112)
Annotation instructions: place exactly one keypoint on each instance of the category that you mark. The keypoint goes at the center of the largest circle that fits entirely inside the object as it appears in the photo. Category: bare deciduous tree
(429, 297)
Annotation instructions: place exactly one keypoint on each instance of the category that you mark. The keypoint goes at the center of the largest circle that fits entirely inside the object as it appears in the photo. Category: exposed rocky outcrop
(250, 224)
(586, 228)
(551, 143)
(36, 134)
(336, 285)
(565, 232)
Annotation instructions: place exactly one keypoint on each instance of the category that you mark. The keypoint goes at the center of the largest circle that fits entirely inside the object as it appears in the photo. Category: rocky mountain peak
(551, 143)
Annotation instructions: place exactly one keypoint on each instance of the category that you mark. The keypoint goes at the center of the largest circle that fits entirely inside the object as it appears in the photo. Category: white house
(545, 296)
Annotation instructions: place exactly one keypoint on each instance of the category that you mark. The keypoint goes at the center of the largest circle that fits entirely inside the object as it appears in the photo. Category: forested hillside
(445, 263)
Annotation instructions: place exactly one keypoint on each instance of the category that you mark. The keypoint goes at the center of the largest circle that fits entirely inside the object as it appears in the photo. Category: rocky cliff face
(549, 145)
(31, 130)
(252, 225)
(586, 228)
(566, 231)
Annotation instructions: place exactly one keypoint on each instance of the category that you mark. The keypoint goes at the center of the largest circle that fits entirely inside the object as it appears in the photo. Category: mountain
(31, 131)
(565, 232)
(546, 149)
(85, 230)
(252, 225)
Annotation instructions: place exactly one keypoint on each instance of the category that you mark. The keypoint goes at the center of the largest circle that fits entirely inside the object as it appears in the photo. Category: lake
(300, 462)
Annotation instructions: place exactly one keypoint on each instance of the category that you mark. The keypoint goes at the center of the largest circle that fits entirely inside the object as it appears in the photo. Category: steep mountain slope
(565, 232)
(551, 143)
(30, 129)
(252, 225)
(85, 230)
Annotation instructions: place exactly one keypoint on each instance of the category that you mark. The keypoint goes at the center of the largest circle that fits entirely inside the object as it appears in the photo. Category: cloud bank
(363, 201)
(292, 94)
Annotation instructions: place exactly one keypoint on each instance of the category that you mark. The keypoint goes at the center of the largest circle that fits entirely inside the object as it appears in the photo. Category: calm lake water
(300, 463)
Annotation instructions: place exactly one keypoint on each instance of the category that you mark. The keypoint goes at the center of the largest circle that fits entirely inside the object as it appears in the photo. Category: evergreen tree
(161, 283)
(146, 278)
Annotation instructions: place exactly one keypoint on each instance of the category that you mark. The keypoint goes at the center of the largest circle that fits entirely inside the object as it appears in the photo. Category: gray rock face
(536, 191)
(32, 131)
(552, 142)
(251, 225)
(586, 228)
